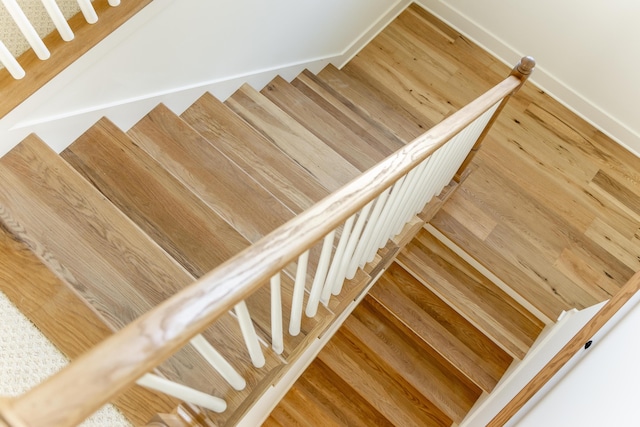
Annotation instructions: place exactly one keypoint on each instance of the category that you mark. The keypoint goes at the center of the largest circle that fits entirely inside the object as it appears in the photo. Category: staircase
(428, 340)
(120, 221)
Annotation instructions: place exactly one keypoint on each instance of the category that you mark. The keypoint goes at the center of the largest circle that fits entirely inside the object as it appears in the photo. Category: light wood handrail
(568, 351)
(63, 53)
(117, 362)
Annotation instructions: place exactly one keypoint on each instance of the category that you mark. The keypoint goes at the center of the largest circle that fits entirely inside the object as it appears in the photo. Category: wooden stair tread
(208, 173)
(327, 166)
(88, 243)
(371, 103)
(475, 297)
(346, 141)
(441, 327)
(376, 134)
(180, 222)
(168, 212)
(395, 399)
(57, 311)
(401, 351)
(324, 389)
(290, 182)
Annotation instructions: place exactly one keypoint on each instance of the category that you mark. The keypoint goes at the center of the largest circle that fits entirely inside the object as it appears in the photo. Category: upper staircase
(120, 221)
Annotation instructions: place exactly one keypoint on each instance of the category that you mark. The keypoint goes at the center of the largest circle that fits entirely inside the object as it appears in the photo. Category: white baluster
(381, 230)
(114, 3)
(182, 392)
(58, 19)
(358, 259)
(277, 336)
(249, 334)
(218, 362)
(88, 11)
(337, 258)
(7, 59)
(26, 29)
(351, 246)
(298, 295)
(321, 274)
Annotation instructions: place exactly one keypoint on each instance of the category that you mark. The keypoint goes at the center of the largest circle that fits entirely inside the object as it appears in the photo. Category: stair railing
(48, 56)
(358, 219)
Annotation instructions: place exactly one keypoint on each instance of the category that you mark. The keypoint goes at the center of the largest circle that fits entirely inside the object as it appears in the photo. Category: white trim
(542, 78)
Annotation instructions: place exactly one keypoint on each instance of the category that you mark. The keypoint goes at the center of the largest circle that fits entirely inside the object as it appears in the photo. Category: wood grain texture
(345, 140)
(327, 166)
(473, 296)
(90, 245)
(400, 352)
(397, 400)
(378, 135)
(63, 53)
(68, 322)
(211, 175)
(281, 175)
(441, 327)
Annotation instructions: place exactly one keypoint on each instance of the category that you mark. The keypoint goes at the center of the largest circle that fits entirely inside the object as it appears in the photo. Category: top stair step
(379, 136)
(472, 295)
(373, 104)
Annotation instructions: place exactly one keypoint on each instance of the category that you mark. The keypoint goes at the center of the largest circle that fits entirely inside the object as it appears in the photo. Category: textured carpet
(27, 358)
(11, 36)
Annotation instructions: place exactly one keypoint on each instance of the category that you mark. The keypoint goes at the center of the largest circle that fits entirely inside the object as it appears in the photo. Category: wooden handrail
(111, 366)
(522, 70)
(63, 53)
(568, 351)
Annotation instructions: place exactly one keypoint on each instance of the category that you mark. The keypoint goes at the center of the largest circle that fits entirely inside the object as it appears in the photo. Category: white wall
(173, 51)
(586, 51)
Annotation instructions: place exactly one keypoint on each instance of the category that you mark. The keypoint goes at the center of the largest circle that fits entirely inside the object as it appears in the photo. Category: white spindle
(114, 3)
(182, 392)
(10, 63)
(88, 11)
(249, 334)
(404, 213)
(321, 274)
(394, 216)
(58, 19)
(337, 258)
(218, 362)
(381, 230)
(351, 247)
(358, 259)
(297, 301)
(277, 335)
(27, 29)
(298, 295)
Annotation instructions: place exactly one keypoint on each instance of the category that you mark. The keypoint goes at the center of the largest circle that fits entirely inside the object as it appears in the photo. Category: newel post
(522, 71)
